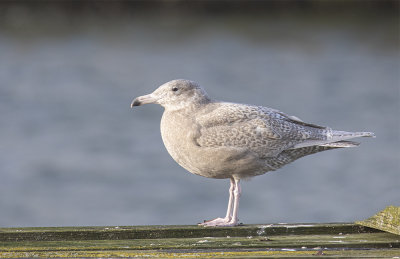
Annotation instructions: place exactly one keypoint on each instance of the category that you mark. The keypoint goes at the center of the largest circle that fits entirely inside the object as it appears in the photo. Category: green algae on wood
(158, 232)
(269, 240)
(387, 220)
(380, 240)
(392, 253)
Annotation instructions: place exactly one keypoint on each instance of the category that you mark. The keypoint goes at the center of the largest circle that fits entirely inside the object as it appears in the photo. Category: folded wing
(262, 130)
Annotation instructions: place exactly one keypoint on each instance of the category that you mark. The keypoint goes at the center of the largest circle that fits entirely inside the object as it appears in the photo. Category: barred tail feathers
(341, 144)
(290, 155)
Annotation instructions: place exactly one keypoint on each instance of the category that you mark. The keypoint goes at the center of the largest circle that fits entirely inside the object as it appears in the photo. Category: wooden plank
(272, 240)
(151, 232)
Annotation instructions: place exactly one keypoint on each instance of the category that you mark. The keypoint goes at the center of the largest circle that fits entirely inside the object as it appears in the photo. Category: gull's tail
(338, 135)
(334, 139)
(333, 136)
(290, 155)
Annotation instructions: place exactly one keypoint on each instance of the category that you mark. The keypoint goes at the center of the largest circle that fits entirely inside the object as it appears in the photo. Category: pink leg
(231, 218)
(237, 192)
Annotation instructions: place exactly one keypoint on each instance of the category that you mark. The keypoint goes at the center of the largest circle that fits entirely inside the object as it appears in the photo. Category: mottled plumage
(262, 130)
(235, 141)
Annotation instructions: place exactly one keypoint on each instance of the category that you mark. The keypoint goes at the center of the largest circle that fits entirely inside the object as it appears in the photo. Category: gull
(224, 140)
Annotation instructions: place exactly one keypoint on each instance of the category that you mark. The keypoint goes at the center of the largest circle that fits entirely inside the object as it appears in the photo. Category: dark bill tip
(136, 102)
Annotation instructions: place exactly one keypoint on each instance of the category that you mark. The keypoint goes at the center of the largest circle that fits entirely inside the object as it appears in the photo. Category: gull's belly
(213, 162)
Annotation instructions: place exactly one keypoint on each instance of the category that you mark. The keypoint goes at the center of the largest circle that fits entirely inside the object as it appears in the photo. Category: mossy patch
(387, 220)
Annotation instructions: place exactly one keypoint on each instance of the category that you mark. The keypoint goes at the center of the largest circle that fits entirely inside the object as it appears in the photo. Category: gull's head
(175, 95)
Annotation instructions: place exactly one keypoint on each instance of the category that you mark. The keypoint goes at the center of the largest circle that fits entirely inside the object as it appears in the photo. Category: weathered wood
(386, 220)
(157, 232)
(289, 240)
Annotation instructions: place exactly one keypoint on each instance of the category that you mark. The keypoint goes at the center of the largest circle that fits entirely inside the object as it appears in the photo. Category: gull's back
(260, 129)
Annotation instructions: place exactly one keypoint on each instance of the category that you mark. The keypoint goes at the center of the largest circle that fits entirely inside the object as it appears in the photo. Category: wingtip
(369, 134)
(342, 144)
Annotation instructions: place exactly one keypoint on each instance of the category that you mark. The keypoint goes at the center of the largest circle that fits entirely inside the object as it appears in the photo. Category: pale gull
(234, 141)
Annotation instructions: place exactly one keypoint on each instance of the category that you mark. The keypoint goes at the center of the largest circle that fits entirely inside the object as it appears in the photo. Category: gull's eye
(174, 89)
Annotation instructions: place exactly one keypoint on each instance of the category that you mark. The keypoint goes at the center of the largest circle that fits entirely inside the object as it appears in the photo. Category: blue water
(72, 152)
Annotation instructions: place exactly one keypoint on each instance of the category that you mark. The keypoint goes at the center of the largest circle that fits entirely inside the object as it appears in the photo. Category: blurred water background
(72, 152)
